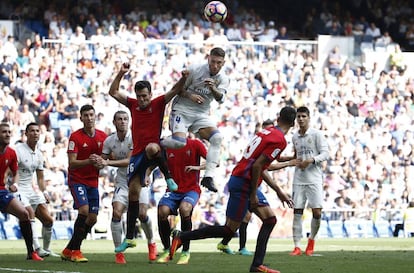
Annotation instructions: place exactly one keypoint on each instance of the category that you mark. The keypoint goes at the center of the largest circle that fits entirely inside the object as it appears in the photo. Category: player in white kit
(30, 161)
(311, 149)
(117, 151)
(191, 111)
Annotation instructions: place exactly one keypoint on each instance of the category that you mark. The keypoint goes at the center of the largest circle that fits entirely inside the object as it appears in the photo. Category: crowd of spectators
(366, 113)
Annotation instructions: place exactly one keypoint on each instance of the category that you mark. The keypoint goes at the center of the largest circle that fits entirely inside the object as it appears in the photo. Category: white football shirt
(119, 149)
(28, 161)
(312, 144)
(195, 84)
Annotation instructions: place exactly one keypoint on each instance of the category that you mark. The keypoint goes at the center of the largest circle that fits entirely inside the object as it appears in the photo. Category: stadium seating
(408, 228)
(336, 229)
(62, 230)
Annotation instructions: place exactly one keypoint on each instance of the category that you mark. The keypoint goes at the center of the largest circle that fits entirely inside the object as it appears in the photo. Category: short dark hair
(267, 122)
(139, 85)
(287, 115)
(120, 112)
(86, 107)
(303, 109)
(31, 124)
(218, 51)
(4, 124)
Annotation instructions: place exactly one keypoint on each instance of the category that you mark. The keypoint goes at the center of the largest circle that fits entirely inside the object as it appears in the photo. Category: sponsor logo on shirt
(71, 145)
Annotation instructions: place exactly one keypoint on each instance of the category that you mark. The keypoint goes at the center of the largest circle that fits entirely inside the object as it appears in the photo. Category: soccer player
(191, 110)
(117, 152)
(147, 116)
(9, 204)
(185, 167)
(223, 246)
(30, 160)
(311, 149)
(266, 146)
(84, 150)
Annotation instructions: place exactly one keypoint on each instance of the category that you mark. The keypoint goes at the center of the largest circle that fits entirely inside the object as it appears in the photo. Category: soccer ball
(215, 11)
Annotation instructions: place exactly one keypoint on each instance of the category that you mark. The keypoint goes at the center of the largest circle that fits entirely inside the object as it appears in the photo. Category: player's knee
(48, 222)
(92, 222)
(23, 215)
(317, 215)
(228, 232)
(152, 149)
(143, 218)
(216, 139)
(270, 221)
(117, 214)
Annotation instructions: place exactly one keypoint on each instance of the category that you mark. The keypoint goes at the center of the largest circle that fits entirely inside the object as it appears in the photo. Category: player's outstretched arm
(178, 87)
(114, 88)
(280, 165)
(280, 193)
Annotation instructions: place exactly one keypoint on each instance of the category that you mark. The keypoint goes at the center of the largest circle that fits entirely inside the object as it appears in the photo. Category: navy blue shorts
(85, 195)
(5, 199)
(174, 199)
(239, 200)
(138, 165)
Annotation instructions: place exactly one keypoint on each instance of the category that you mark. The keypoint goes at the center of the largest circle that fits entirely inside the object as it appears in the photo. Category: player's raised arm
(178, 87)
(114, 88)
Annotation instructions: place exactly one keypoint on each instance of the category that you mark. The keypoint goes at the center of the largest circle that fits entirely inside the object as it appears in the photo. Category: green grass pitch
(379, 255)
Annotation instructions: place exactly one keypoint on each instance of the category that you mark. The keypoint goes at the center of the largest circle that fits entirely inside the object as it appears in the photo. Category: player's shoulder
(10, 151)
(18, 146)
(314, 132)
(77, 133)
(111, 137)
(100, 133)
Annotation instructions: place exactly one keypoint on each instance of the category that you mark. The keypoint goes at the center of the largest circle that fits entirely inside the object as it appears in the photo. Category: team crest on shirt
(71, 145)
(99, 144)
(84, 145)
(7, 161)
(188, 152)
(171, 155)
(275, 152)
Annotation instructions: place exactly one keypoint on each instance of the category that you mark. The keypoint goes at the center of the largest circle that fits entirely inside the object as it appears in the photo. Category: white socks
(147, 228)
(315, 224)
(297, 229)
(47, 236)
(116, 229)
(36, 243)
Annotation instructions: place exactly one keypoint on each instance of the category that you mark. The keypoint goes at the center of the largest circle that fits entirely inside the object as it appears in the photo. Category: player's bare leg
(15, 208)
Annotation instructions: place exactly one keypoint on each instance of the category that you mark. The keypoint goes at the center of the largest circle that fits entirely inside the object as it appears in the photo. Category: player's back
(269, 142)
